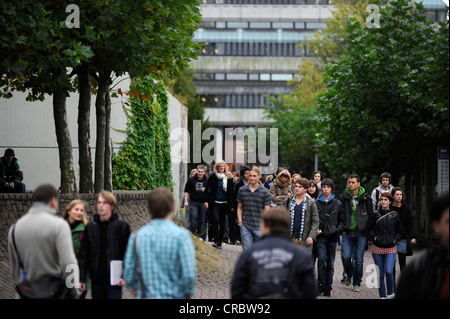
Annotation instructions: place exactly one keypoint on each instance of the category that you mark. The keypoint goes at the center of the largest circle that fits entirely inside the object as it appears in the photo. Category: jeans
(385, 264)
(326, 251)
(19, 188)
(197, 216)
(106, 291)
(353, 243)
(248, 236)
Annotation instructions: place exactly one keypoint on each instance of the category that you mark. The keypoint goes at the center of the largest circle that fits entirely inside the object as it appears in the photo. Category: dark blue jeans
(385, 264)
(197, 216)
(19, 188)
(353, 243)
(326, 251)
(106, 291)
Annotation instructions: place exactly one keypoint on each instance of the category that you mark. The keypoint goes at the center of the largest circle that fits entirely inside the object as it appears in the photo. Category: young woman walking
(385, 229)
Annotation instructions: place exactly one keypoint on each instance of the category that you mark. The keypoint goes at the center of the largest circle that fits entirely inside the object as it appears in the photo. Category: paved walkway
(213, 282)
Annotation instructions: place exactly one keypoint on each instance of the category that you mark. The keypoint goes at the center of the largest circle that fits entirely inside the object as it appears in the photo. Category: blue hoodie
(323, 199)
(331, 216)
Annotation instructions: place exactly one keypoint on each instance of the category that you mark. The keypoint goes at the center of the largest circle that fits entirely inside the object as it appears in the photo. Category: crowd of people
(318, 220)
(286, 225)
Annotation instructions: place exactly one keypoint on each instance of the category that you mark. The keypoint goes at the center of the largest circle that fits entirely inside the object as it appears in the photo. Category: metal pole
(316, 157)
(316, 162)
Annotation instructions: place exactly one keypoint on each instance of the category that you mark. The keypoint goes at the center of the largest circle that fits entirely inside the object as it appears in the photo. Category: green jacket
(356, 216)
(77, 236)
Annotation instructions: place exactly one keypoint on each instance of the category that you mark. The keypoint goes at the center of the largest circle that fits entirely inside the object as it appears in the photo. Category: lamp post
(316, 159)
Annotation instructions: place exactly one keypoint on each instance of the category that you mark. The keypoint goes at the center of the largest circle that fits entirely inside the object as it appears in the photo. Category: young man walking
(165, 252)
(357, 208)
(332, 222)
(304, 215)
(273, 267)
(43, 241)
(385, 186)
(252, 199)
(243, 180)
(105, 239)
(195, 191)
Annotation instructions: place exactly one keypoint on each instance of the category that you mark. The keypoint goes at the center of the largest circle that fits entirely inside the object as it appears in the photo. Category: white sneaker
(391, 296)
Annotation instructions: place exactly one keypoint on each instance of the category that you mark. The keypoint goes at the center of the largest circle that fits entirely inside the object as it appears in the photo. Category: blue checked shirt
(167, 259)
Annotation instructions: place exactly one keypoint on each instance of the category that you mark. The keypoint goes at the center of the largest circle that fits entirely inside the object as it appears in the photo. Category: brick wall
(132, 207)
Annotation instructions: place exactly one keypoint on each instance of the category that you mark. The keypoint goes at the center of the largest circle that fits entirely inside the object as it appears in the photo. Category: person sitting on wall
(11, 174)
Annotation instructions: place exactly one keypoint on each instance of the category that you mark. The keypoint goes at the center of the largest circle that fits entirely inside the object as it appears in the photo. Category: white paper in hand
(116, 271)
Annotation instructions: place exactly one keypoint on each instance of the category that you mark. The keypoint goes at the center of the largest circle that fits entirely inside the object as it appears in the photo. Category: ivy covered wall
(144, 161)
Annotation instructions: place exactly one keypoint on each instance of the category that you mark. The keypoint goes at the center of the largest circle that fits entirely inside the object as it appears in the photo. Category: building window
(220, 76)
(236, 100)
(260, 25)
(283, 77)
(237, 77)
(252, 49)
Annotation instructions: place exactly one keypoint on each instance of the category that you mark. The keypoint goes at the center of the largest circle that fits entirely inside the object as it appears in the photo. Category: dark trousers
(106, 291)
(325, 265)
(220, 211)
(18, 188)
(197, 218)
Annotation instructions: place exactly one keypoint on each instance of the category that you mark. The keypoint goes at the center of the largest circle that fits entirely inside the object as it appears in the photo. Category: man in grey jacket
(44, 242)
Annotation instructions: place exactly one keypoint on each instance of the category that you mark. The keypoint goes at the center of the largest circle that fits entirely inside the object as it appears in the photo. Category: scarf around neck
(223, 178)
(281, 184)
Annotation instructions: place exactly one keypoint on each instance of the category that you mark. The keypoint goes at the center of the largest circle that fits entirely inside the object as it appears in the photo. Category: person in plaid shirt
(166, 253)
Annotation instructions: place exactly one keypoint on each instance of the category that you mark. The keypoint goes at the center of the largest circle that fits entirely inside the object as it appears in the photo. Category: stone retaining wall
(132, 207)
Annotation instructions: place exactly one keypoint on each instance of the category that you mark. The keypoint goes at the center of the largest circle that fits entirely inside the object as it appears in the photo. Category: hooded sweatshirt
(354, 202)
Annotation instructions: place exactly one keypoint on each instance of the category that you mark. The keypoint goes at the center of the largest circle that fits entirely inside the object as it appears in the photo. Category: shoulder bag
(45, 287)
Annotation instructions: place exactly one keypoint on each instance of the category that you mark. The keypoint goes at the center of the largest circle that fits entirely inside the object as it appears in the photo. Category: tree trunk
(84, 111)
(108, 151)
(103, 84)
(68, 182)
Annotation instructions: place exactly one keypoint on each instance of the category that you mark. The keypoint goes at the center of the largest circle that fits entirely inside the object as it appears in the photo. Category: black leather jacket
(102, 242)
(273, 267)
(385, 227)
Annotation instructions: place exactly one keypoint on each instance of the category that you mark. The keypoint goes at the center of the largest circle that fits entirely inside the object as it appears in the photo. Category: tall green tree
(36, 56)
(154, 37)
(386, 107)
(296, 113)
(113, 38)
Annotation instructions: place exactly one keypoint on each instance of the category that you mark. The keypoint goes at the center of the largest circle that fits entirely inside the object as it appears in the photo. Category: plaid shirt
(167, 259)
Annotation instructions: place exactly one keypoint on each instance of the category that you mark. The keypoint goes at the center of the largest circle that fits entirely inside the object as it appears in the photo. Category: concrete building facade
(28, 128)
(251, 49)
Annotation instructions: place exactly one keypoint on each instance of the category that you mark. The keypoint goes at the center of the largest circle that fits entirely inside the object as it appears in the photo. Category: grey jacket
(311, 219)
(44, 242)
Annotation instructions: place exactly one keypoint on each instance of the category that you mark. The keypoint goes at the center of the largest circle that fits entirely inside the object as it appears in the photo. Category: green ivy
(144, 161)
